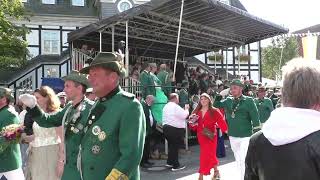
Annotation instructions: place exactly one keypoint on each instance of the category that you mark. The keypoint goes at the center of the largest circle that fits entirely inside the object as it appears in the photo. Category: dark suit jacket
(146, 109)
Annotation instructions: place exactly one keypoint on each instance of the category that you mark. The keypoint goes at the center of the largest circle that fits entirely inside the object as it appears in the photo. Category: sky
(292, 14)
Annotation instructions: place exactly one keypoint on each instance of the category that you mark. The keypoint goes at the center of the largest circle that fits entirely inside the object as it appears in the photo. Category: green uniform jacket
(10, 158)
(72, 138)
(112, 146)
(265, 106)
(163, 76)
(147, 84)
(183, 97)
(246, 117)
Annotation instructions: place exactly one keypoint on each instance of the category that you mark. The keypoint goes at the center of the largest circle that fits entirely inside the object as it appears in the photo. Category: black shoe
(178, 168)
(149, 163)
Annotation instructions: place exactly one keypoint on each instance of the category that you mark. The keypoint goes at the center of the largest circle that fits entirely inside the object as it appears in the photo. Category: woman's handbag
(208, 133)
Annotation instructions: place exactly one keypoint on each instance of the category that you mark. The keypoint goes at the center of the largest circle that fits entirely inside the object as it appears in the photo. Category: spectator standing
(288, 146)
(209, 118)
(150, 127)
(174, 123)
(164, 78)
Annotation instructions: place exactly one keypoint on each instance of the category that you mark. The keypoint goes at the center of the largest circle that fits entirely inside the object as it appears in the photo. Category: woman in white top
(46, 153)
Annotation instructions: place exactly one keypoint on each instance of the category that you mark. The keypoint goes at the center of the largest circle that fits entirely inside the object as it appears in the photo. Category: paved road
(227, 167)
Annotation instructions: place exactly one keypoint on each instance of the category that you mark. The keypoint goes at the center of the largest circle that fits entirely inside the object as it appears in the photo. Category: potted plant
(243, 57)
(215, 57)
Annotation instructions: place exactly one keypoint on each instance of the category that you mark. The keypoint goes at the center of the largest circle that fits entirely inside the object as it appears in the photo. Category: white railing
(79, 59)
(131, 85)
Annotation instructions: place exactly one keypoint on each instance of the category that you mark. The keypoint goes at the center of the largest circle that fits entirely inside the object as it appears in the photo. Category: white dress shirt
(174, 115)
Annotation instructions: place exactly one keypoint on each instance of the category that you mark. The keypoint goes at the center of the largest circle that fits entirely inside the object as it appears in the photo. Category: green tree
(281, 50)
(13, 48)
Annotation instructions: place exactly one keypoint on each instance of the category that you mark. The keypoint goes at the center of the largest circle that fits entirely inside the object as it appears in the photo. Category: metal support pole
(178, 40)
(127, 48)
(100, 41)
(238, 49)
(112, 38)
(227, 64)
(215, 63)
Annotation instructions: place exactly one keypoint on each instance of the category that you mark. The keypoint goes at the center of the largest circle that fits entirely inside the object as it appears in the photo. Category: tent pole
(178, 40)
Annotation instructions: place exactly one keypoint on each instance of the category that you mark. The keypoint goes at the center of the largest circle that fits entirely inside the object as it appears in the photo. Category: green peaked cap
(107, 60)
(76, 76)
(237, 82)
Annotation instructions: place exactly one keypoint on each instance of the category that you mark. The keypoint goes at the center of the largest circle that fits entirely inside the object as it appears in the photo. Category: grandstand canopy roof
(207, 25)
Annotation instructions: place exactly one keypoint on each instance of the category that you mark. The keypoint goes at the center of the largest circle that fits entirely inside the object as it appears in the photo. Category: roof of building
(61, 8)
(311, 29)
(7, 76)
(207, 25)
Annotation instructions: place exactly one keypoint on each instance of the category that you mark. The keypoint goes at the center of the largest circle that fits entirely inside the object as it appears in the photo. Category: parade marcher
(174, 123)
(288, 146)
(90, 95)
(46, 146)
(243, 120)
(73, 117)
(150, 127)
(10, 157)
(112, 146)
(62, 98)
(264, 105)
(208, 119)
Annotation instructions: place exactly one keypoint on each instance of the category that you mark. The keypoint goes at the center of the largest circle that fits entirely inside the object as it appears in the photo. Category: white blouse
(44, 136)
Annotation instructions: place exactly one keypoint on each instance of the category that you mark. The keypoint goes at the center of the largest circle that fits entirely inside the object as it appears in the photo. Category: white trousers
(239, 147)
(16, 174)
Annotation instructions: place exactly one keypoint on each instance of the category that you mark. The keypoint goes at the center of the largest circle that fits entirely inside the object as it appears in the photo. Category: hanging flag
(309, 46)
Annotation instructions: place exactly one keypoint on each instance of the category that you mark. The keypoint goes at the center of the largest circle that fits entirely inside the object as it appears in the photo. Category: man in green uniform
(146, 82)
(243, 120)
(183, 94)
(10, 156)
(73, 117)
(112, 146)
(264, 105)
(164, 77)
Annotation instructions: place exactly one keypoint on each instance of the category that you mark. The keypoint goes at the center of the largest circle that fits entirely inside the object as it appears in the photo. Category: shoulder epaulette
(127, 94)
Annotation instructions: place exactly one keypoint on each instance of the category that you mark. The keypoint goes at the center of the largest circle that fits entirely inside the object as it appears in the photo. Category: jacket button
(91, 168)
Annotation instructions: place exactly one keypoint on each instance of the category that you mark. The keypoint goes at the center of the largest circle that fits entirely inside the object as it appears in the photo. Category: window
(33, 37)
(124, 5)
(77, 2)
(33, 52)
(48, 1)
(50, 42)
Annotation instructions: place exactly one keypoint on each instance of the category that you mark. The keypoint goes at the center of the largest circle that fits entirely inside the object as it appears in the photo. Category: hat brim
(85, 83)
(109, 65)
(237, 84)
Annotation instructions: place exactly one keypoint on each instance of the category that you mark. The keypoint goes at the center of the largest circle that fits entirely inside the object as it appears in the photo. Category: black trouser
(174, 137)
(146, 150)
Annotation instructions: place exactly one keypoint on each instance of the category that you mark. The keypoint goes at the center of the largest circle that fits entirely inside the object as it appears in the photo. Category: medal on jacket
(235, 108)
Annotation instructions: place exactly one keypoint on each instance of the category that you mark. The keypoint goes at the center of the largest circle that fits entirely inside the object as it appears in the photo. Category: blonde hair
(53, 100)
(301, 83)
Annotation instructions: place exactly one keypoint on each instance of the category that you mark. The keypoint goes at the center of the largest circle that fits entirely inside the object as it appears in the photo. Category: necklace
(236, 104)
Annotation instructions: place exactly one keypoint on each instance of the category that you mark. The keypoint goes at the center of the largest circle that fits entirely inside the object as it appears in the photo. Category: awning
(153, 27)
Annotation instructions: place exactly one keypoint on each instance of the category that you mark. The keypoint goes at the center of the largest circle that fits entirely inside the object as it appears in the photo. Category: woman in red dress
(208, 117)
